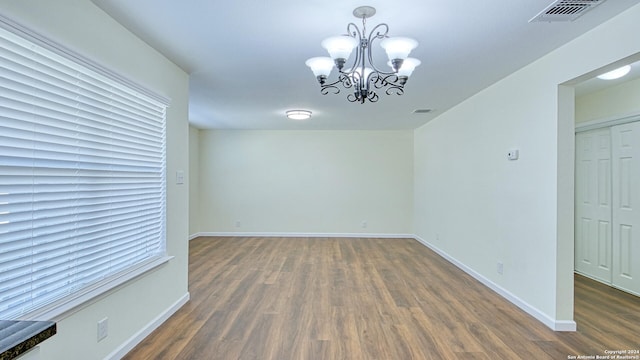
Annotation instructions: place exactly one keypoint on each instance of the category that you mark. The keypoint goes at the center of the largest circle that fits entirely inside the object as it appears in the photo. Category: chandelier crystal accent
(362, 76)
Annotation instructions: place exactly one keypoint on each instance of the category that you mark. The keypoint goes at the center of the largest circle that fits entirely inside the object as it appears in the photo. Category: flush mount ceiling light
(298, 114)
(615, 74)
(362, 76)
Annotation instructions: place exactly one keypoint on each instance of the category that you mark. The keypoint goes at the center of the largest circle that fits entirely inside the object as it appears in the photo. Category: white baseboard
(128, 345)
(294, 234)
(556, 325)
(564, 325)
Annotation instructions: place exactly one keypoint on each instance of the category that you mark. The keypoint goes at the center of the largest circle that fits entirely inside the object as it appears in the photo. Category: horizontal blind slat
(82, 187)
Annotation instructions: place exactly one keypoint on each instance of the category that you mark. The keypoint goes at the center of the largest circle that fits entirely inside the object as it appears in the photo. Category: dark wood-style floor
(333, 298)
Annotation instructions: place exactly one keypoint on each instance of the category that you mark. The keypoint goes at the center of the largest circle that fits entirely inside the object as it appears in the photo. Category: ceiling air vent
(565, 10)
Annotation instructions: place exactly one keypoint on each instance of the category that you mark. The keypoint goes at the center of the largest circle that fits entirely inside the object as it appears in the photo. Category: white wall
(481, 209)
(194, 180)
(81, 26)
(306, 182)
(616, 101)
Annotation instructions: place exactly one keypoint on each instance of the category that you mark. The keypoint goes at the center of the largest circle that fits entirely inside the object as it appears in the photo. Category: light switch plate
(103, 328)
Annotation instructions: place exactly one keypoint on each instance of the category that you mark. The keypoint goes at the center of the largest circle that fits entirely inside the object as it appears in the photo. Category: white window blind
(82, 178)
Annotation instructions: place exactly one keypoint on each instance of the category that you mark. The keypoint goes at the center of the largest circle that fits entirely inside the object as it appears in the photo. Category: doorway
(607, 163)
(607, 207)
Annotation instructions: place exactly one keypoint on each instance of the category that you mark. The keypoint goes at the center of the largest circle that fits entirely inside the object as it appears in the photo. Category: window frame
(61, 308)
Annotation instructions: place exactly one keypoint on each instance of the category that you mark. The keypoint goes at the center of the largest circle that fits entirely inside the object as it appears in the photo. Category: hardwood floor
(333, 298)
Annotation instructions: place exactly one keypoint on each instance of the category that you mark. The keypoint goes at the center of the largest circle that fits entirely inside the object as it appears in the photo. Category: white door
(626, 206)
(593, 248)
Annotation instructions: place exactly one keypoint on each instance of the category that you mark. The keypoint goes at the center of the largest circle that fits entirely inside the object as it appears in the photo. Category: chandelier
(362, 76)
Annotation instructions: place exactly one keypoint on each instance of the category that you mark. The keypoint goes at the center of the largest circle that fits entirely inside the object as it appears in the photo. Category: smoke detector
(565, 10)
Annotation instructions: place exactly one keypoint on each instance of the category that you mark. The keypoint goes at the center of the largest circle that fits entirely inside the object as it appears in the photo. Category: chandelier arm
(390, 83)
(353, 98)
(354, 32)
(346, 81)
(379, 32)
(324, 90)
(331, 87)
(388, 80)
(398, 90)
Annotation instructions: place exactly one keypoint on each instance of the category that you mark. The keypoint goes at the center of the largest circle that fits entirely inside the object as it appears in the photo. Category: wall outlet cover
(103, 328)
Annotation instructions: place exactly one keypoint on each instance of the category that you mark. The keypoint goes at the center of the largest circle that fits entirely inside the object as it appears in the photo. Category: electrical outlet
(238, 223)
(364, 224)
(500, 268)
(103, 328)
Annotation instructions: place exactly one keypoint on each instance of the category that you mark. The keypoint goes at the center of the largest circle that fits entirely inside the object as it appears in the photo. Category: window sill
(68, 306)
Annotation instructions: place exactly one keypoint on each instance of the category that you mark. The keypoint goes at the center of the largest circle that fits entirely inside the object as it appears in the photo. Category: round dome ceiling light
(298, 114)
(615, 74)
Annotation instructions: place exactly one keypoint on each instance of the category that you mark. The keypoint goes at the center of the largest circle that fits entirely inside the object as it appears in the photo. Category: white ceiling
(246, 57)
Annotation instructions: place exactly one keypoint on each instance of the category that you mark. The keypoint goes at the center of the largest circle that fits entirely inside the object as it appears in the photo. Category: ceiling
(246, 57)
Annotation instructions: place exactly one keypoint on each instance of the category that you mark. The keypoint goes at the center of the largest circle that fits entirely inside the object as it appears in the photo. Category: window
(82, 177)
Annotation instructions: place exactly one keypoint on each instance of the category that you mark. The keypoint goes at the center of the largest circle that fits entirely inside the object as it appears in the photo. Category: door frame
(607, 122)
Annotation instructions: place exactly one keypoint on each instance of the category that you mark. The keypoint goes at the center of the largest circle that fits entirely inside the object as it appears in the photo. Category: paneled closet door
(626, 206)
(593, 248)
